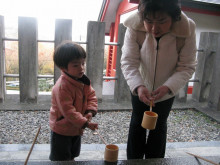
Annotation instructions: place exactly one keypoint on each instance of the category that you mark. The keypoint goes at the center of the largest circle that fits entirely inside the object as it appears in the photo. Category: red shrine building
(205, 13)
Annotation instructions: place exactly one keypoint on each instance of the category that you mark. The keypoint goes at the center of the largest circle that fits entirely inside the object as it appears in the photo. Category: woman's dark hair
(67, 52)
(171, 7)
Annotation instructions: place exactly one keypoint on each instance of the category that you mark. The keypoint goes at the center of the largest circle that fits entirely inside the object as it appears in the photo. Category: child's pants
(64, 148)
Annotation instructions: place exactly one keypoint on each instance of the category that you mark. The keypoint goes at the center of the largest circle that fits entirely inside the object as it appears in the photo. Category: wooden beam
(95, 55)
(28, 59)
(63, 31)
(2, 35)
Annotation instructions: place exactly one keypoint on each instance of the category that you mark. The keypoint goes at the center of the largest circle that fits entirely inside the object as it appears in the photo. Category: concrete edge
(97, 147)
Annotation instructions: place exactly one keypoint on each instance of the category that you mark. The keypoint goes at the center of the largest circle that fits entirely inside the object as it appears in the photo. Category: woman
(158, 58)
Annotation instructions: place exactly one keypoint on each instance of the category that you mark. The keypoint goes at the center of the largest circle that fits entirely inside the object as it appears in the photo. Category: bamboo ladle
(202, 158)
(151, 104)
(96, 132)
(32, 146)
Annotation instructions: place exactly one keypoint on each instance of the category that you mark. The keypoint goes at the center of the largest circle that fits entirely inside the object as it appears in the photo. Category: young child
(73, 103)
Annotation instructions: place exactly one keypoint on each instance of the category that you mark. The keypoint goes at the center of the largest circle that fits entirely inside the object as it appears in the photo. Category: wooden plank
(27, 36)
(181, 96)
(122, 91)
(204, 69)
(95, 55)
(218, 106)
(2, 84)
(214, 95)
(63, 31)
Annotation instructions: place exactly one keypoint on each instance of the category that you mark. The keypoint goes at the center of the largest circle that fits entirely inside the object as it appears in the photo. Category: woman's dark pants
(154, 145)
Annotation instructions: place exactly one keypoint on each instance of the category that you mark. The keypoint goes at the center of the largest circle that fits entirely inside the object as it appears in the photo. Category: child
(73, 103)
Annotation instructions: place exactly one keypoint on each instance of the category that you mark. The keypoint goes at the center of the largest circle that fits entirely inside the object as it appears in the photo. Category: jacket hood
(179, 28)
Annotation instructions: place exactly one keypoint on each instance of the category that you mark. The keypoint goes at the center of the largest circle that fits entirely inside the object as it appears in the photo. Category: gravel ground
(20, 127)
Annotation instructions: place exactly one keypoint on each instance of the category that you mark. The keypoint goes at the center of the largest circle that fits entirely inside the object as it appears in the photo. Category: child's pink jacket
(70, 99)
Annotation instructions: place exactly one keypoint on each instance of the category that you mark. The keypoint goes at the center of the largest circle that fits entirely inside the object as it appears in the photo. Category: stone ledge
(164, 161)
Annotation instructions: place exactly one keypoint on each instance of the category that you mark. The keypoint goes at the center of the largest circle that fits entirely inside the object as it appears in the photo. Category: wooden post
(63, 31)
(214, 95)
(95, 55)
(218, 107)
(2, 84)
(182, 94)
(27, 36)
(122, 91)
(204, 69)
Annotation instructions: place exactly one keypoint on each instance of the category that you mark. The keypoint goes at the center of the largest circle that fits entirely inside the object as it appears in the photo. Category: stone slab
(19, 152)
(164, 161)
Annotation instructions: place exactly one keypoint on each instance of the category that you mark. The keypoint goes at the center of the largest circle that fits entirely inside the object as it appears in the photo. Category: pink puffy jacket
(70, 100)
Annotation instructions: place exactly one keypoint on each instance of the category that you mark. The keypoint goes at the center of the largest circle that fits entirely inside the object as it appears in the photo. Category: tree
(45, 58)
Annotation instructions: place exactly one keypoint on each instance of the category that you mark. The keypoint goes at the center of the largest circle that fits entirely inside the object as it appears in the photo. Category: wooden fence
(206, 82)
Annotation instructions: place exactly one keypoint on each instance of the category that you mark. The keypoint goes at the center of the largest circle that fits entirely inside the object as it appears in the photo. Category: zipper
(155, 69)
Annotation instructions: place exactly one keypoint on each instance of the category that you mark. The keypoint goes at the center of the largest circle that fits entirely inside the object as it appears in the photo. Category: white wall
(204, 23)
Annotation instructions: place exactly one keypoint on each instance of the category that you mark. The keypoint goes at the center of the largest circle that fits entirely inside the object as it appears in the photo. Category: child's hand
(89, 116)
(81, 132)
(92, 126)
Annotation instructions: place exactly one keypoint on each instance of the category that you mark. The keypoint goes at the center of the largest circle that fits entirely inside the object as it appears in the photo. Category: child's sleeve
(92, 102)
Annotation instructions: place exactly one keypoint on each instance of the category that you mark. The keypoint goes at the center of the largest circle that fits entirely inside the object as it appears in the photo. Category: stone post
(2, 84)
(27, 36)
(214, 94)
(63, 31)
(204, 69)
(95, 55)
(122, 91)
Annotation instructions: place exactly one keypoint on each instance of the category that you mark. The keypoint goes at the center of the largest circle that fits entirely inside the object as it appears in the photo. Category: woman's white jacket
(154, 64)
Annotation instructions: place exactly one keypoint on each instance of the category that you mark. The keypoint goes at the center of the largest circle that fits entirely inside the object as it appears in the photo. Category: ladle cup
(111, 150)
(149, 120)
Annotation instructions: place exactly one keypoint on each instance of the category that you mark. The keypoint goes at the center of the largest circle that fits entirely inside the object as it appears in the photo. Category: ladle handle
(151, 105)
(202, 158)
(101, 138)
(32, 145)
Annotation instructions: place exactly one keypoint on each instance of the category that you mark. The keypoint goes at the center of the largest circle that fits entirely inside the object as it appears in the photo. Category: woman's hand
(160, 92)
(144, 95)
